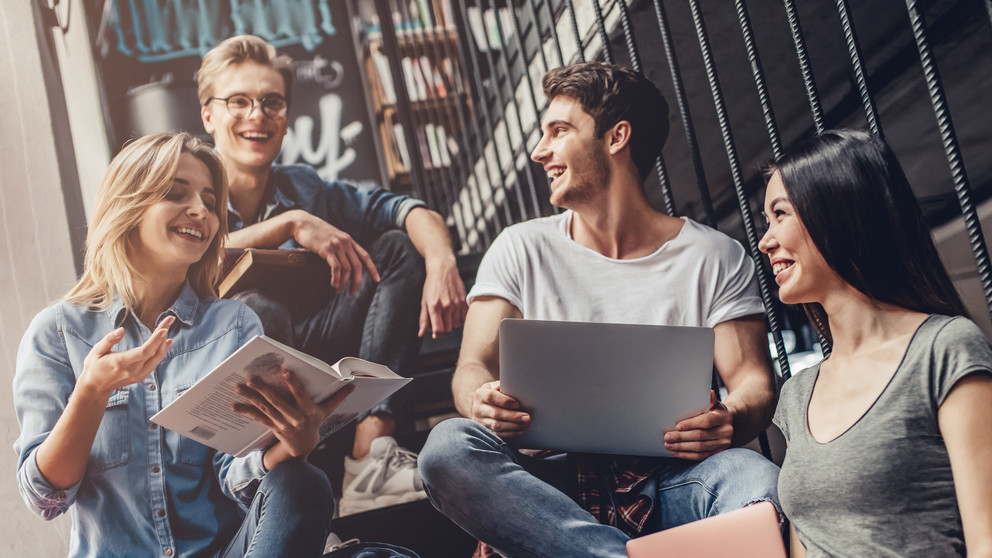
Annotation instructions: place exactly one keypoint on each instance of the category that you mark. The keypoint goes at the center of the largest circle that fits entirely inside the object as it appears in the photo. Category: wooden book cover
(298, 273)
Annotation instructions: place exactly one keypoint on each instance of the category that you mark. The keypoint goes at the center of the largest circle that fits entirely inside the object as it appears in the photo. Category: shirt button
(154, 426)
(155, 469)
(151, 387)
(168, 552)
(161, 513)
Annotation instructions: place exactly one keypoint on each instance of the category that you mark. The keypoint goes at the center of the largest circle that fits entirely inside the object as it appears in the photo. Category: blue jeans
(289, 517)
(378, 324)
(515, 503)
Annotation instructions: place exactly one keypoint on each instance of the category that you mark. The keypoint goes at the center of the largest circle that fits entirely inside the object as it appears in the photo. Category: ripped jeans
(513, 502)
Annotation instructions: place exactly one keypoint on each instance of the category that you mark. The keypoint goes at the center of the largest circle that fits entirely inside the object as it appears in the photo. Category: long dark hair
(857, 206)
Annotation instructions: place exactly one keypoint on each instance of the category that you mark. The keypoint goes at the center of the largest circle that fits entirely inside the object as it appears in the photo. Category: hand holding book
(288, 411)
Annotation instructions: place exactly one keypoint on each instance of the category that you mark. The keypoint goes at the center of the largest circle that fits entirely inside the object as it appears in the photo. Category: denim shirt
(364, 213)
(146, 491)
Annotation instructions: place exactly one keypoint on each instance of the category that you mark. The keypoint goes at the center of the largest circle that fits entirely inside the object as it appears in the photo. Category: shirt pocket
(191, 452)
(112, 446)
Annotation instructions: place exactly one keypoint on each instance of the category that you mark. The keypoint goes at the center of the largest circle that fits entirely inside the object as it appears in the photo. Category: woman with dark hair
(890, 449)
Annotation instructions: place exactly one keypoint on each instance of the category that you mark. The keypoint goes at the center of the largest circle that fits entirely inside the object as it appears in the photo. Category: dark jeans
(289, 517)
(378, 324)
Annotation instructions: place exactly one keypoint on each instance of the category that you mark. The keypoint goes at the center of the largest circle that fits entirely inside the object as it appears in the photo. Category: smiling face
(249, 144)
(574, 158)
(800, 270)
(176, 231)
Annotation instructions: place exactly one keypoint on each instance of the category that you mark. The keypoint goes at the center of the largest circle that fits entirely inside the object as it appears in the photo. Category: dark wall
(147, 54)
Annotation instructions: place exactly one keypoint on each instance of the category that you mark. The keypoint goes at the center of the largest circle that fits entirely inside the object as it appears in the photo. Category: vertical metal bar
(603, 35)
(465, 155)
(771, 305)
(735, 167)
(635, 62)
(854, 49)
(535, 204)
(391, 45)
(420, 111)
(686, 115)
(628, 35)
(949, 138)
(518, 31)
(442, 117)
(537, 30)
(728, 141)
(575, 30)
(554, 32)
(488, 121)
(800, 42)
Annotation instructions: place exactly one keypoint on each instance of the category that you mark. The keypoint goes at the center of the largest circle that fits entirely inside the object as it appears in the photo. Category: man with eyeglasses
(388, 288)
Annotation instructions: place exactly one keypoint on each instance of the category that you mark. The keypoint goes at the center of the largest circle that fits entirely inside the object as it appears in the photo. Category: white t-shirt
(700, 278)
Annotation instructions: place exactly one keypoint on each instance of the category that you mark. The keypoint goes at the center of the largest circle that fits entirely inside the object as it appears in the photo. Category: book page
(205, 412)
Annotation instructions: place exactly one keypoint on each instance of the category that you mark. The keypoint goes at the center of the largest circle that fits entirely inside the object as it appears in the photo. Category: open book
(205, 412)
(297, 273)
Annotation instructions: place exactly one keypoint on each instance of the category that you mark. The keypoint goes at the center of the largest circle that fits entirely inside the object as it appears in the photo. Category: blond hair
(140, 176)
(238, 50)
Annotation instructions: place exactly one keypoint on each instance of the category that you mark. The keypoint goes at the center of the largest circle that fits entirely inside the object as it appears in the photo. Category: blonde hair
(140, 176)
(238, 50)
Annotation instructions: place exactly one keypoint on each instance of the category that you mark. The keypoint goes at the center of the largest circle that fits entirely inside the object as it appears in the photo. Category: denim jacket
(362, 212)
(146, 491)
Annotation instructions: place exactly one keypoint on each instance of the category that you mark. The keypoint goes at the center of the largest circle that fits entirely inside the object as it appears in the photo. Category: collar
(183, 308)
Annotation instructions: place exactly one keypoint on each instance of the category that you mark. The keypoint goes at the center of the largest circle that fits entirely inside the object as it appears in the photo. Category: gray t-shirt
(884, 486)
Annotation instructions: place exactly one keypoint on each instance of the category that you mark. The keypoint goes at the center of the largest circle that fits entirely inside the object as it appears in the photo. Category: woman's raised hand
(105, 370)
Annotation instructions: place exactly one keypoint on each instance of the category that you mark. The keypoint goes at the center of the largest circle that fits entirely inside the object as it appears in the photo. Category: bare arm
(63, 456)
(963, 419)
(475, 384)
(741, 358)
(796, 548)
(443, 306)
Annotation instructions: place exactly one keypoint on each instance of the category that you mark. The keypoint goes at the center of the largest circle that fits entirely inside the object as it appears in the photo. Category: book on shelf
(381, 63)
(428, 75)
(400, 139)
(205, 412)
(478, 28)
(439, 85)
(430, 130)
(424, 148)
(418, 79)
(411, 84)
(299, 274)
(442, 145)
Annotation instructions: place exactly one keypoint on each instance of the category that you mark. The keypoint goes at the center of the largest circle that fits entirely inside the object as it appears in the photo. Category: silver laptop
(604, 388)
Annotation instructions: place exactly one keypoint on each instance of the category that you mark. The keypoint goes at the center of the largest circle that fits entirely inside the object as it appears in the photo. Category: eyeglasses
(240, 106)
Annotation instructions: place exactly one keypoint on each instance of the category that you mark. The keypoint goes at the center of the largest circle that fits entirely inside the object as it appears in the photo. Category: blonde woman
(140, 327)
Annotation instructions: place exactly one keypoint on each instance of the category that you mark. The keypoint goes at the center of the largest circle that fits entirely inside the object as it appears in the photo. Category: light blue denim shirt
(147, 491)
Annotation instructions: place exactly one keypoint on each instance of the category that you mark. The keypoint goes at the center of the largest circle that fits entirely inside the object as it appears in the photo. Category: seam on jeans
(258, 526)
(484, 529)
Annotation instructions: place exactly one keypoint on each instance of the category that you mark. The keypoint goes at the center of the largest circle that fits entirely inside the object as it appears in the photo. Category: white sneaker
(389, 477)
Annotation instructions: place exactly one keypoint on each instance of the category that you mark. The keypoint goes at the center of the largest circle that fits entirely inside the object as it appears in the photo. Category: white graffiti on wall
(327, 157)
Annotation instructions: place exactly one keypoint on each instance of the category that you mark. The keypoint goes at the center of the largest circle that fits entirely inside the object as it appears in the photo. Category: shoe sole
(351, 508)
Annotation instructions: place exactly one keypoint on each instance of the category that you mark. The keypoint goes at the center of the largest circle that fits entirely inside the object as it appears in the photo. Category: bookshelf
(417, 94)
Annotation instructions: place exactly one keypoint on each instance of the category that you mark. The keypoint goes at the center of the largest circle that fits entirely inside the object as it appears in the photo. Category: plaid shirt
(608, 487)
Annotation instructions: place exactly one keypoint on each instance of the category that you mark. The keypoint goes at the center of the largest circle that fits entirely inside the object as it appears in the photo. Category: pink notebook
(751, 532)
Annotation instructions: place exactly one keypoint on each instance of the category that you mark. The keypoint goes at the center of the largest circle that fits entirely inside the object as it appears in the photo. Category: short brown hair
(238, 50)
(610, 94)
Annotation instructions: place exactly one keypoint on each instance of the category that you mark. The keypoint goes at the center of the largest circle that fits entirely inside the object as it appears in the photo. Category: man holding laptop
(609, 258)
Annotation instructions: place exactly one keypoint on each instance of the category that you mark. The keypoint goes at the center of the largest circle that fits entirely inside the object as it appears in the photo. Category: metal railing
(494, 184)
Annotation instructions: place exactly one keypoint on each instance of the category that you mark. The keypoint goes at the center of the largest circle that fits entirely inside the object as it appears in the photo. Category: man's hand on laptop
(498, 412)
(703, 435)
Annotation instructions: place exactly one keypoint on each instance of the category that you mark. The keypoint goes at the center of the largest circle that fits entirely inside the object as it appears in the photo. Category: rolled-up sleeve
(43, 381)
